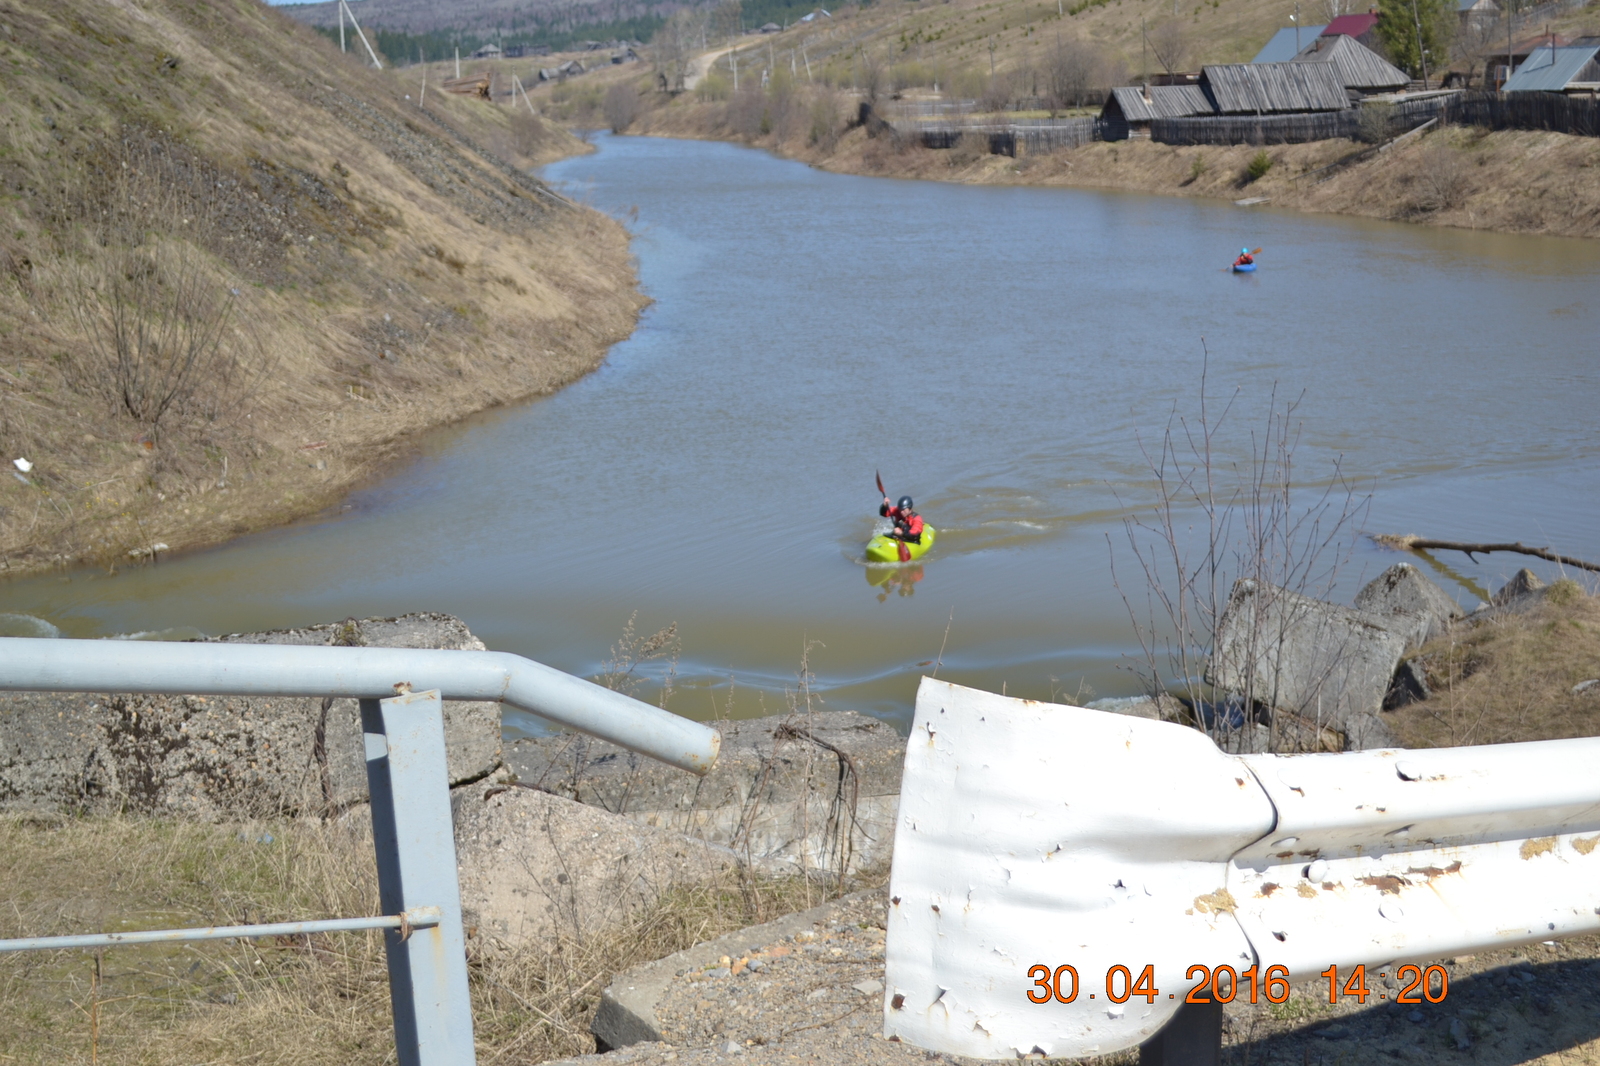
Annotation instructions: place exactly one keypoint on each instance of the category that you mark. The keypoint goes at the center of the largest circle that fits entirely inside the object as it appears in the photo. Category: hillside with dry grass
(239, 272)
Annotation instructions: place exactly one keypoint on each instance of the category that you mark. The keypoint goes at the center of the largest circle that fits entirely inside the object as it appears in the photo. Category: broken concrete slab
(1403, 599)
(537, 869)
(215, 757)
(814, 791)
(1523, 592)
(628, 1006)
(1329, 665)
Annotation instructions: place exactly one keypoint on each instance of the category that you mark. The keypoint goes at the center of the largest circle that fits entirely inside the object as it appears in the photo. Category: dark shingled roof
(1270, 88)
(1358, 66)
(1166, 101)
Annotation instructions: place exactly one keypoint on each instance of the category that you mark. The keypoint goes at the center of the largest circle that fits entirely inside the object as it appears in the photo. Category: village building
(1360, 70)
(1287, 43)
(1128, 111)
(1500, 64)
(771, 27)
(489, 51)
(1364, 28)
(1477, 13)
(1571, 68)
(1273, 88)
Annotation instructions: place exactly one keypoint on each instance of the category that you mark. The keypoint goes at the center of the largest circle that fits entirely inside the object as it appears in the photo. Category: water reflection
(899, 580)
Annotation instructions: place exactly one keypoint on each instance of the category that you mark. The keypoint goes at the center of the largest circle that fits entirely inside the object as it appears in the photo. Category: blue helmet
(1244, 251)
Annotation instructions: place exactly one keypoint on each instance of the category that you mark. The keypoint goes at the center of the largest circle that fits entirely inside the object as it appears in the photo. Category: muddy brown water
(997, 353)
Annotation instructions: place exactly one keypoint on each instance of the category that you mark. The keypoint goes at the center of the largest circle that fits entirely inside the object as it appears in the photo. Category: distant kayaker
(1245, 258)
(907, 523)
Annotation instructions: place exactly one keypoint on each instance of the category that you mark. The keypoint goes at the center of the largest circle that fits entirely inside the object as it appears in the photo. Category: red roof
(1350, 25)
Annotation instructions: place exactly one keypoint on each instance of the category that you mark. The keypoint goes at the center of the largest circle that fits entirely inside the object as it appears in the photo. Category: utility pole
(345, 8)
(1422, 55)
(1144, 55)
(458, 56)
(422, 99)
(1297, 27)
(341, 28)
(733, 62)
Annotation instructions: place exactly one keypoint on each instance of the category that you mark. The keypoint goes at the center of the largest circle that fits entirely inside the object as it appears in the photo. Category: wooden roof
(1358, 66)
(1166, 101)
(1270, 88)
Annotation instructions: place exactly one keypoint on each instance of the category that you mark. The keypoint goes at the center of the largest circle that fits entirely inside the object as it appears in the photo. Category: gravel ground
(817, 996)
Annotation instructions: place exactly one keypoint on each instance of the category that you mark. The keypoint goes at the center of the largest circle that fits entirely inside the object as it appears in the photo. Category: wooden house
(1359, 69)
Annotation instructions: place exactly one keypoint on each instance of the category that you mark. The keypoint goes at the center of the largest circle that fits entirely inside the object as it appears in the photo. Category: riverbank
(1527, 182)
(241, 273)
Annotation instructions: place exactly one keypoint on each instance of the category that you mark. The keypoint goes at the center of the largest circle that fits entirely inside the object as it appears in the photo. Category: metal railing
(401, 694)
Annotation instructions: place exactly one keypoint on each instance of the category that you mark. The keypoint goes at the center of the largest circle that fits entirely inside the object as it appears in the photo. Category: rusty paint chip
(1219, 902)
(1268, 888)
(1389, 884)
(1305, 891)
(1430, 872)
(1585, 845)
(1537, 846)
(897, 1002)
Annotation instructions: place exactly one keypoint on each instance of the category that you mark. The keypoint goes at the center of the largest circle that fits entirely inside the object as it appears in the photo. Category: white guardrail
(1035, 837)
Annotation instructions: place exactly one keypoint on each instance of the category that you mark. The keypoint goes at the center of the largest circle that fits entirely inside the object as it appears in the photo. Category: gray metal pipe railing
(215, 669)
(415, 918)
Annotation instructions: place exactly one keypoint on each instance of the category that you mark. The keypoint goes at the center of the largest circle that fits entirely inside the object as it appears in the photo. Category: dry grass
(292, 1000)
(1510, 677)
(393, 264)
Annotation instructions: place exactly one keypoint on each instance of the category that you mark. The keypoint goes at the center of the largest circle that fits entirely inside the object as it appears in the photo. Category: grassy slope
(391, 277)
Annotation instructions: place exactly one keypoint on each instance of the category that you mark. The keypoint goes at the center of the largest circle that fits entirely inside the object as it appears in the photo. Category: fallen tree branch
(1410, 543)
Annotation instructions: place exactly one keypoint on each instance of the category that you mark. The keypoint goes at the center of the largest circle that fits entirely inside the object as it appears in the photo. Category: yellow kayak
(885, 549)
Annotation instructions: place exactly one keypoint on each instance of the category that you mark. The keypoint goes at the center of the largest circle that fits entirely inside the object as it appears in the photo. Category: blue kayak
(1244, 268)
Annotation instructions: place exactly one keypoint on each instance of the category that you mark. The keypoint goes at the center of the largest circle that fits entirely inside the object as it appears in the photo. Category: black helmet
(905, 503)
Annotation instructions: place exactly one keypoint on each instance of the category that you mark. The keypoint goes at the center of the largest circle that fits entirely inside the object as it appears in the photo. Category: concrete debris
(538, 870)
(1327, 664)
(219, 757)
(1522, 593)
(781, 793)
(1405, 601)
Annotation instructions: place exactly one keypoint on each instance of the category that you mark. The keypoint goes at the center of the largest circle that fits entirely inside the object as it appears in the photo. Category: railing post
(1192, 1038)
(415, 842)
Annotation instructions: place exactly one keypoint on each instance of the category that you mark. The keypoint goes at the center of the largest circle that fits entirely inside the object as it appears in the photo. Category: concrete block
(537, 869)
(1403, 599)
(216, 757)
(1327, 664)
(815, 791)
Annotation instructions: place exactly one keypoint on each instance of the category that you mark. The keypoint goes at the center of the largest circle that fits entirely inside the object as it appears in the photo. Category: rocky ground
(817, 994)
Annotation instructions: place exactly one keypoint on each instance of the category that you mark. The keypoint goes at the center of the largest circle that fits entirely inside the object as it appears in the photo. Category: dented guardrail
(1040, 848)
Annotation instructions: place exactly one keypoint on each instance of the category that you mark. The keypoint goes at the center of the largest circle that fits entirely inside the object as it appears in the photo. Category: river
(999, 354)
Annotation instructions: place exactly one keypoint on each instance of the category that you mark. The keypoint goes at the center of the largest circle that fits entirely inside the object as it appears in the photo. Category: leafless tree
(1169, 43)
(727, 20)
(621, 106)
(1070, 71)
(1214, 522)
(674, 44)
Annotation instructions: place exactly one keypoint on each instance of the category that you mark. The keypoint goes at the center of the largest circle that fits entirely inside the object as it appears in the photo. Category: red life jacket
(908, 521)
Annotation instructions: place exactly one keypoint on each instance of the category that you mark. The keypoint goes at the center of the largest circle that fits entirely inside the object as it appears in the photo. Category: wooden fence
(1578, 115)
(1289, 129)
(1026, 137)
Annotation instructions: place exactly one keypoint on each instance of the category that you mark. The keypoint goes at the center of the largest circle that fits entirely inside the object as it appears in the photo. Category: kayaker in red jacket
(907, 522)
(1245, 258)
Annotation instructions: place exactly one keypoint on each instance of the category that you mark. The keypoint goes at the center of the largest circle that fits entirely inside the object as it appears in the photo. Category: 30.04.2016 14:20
(1221, 984)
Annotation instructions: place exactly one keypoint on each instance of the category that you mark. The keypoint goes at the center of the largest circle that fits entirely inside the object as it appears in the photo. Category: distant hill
(438, 27)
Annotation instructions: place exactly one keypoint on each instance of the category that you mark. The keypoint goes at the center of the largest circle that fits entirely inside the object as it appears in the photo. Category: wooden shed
(1129, 110)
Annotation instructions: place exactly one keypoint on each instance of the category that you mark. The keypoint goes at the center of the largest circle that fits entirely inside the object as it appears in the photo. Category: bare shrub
(970, 148)
(1215, 521)
(747, 112)
(1375, 123)
(870, 76)
(825, 125)
(1441, 183)
(621, 106)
